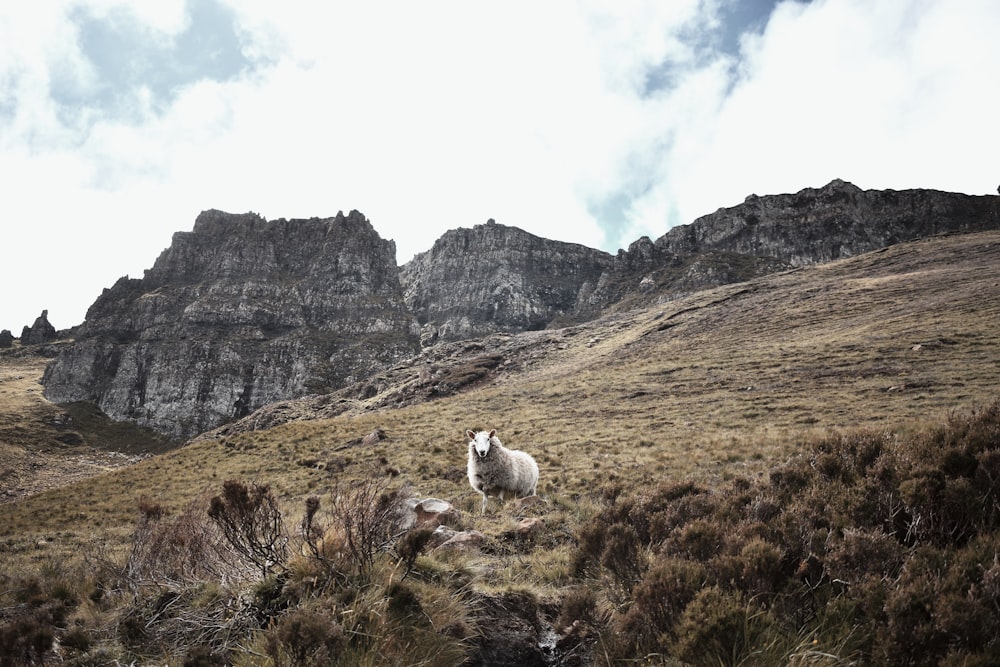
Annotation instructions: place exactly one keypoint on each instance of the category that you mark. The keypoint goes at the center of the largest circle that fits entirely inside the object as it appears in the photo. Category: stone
(373, 438)
(467, 540)
(496, 278)
(239, 313)
(6, 339)
(40, 332)
(441, 535)
(434, 512)
(528, 528)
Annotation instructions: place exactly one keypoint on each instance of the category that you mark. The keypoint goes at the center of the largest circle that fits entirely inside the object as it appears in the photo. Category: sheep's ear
(472, 436)
(493, 433)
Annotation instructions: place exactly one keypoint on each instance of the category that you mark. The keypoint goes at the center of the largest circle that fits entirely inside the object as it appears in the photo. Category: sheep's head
(482, 441)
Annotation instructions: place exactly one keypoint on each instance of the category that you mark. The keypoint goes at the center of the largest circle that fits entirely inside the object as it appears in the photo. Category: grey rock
(40, 332)
(237, 314)
(823, 224)
(242, 313)
(494, 278)
(778, 232)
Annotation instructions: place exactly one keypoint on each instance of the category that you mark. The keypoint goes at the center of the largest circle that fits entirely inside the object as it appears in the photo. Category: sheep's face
(481, 441)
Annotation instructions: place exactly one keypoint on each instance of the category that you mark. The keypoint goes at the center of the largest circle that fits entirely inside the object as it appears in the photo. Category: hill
(712, 391)
(242, 312)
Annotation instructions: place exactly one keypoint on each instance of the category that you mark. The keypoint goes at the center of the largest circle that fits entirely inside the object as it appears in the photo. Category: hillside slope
(729, 379)
(242, 312)
(659, 413)
(881, 338)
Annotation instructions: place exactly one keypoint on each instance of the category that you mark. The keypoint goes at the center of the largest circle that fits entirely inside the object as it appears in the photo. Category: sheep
(497, 471)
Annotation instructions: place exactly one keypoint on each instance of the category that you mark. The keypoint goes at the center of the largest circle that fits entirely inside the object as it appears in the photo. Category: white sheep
(497, 471)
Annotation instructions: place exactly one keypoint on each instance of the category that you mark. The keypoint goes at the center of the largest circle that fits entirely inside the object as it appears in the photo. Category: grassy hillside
(44, 445)
(711, 390)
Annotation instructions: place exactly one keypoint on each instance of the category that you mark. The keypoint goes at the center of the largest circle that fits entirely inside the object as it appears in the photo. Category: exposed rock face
(835, 221)
(239, 313)
(776, 232)
(494, 278)
(40, 332)
(6, 339)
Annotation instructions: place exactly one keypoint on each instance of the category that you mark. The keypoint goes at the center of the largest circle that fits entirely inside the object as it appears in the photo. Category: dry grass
(724, 382)
(720, 384)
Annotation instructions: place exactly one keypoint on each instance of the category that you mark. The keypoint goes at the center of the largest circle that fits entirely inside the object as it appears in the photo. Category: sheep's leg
(484, 503)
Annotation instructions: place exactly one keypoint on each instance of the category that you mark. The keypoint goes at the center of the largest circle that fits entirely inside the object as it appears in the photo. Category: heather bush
(304, 637)
(34, 614)
(878, 548)
(721, 627)
(249, 518)
(658, 602)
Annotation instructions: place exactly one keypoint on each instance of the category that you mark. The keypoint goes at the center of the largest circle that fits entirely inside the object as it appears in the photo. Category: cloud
(584, 121)
(888, 95)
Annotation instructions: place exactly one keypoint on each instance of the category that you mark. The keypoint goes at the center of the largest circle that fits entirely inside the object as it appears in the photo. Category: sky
(590, 121)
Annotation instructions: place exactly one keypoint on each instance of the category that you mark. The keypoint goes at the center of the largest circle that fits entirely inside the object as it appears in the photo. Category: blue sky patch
(138, 68)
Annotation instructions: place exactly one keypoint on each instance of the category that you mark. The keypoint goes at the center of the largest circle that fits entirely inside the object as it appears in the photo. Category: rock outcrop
(236, 314)
(6, 339)
(777, 232)
(494, 278)
(40, 332)
(822, 224)
(242, 312)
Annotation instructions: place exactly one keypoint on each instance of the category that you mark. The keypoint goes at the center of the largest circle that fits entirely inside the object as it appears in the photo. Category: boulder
(467, 540)
(435, 512)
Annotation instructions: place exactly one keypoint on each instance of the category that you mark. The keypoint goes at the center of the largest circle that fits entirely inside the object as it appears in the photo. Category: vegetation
(802, 469)
(869, 549)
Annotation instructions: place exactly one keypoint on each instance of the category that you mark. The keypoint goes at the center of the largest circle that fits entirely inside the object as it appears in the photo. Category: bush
(305, 637)
(249, 518)
(720, 628)
(29, 628)
(880, 549)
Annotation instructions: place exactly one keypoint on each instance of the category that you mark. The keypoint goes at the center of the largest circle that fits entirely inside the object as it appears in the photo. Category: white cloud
(589, 121)
(887, 95)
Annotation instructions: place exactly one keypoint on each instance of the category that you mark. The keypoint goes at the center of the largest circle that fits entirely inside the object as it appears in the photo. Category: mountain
(238, 313)
(775, 232)
(494, 278)
(242, 312)
(810, 455)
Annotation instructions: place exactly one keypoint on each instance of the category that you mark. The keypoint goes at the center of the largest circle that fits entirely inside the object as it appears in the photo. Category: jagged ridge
(242, 312)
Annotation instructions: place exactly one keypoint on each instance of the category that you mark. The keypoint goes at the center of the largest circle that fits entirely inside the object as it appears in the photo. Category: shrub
(877, 548)
(578, 605)
(305, 637)
(188, 548)
(368, 516)
(657, 603)
(249, 518)
(719, 628)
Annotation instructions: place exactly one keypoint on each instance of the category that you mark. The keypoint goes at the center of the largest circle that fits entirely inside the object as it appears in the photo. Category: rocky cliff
(493, 278)
(775, 232)
(242, 312)
(835, 221)
(238, 313)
